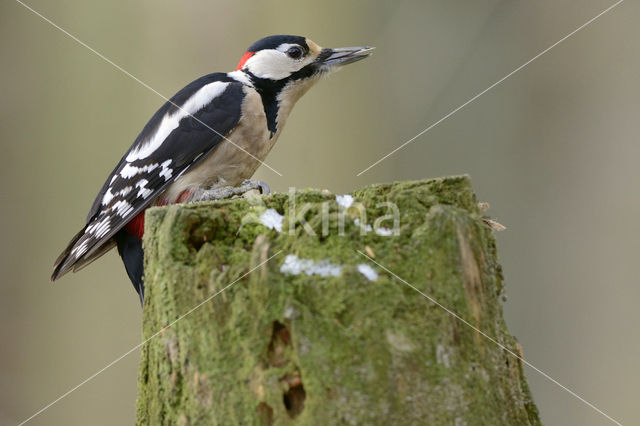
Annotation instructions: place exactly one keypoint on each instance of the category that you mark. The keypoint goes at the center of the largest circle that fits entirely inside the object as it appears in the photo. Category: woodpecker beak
(333, 58)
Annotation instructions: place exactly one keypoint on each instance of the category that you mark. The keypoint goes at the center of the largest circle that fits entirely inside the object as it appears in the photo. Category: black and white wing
(181, 133)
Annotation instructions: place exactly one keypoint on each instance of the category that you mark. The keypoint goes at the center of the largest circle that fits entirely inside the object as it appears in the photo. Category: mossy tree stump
(335, 344)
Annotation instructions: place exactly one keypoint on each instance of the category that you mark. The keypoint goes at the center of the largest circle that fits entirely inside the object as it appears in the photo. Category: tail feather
(129, 248)
(65, 262)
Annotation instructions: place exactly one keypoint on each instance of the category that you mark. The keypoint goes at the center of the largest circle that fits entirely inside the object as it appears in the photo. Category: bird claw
(256, 184)
(225, 192)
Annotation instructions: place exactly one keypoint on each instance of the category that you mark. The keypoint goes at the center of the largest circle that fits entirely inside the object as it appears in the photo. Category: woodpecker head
(283, 67)
(282, 57)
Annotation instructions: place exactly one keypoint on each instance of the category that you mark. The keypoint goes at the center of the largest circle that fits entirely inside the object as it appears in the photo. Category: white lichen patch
(384, 232)
(399, 341)
(290, 312)
(293, 265)
(368, 272)
(442, 356)
(366, 227)
(344, 200)
(272, 219)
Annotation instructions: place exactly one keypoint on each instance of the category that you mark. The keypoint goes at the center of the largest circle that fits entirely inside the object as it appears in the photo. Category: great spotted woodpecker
(213, 133)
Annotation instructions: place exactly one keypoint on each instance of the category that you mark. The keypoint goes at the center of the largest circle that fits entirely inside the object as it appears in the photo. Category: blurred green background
(554, 149)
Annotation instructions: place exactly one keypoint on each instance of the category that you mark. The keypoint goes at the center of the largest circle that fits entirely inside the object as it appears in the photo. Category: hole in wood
(265, 414)
(294, 400)
(280, 338)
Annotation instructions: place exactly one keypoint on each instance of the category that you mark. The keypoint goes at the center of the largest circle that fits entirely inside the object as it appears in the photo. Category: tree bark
(320, 334)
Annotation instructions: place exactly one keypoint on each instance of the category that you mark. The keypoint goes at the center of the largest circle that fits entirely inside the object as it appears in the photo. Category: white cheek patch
(170, 122)
(270, 64)
(274, 64)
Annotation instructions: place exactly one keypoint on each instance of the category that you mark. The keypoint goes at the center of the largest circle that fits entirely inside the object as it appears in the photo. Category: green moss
(365, 352)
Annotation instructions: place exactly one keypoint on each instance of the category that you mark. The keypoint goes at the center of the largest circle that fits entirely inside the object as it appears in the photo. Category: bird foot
(259, 185)
(225, 192)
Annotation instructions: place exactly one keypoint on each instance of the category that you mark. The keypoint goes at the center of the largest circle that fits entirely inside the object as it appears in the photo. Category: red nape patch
(244, 59)
(136, 225)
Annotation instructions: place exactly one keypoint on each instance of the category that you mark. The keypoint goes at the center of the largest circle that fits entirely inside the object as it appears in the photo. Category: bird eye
(295, 52)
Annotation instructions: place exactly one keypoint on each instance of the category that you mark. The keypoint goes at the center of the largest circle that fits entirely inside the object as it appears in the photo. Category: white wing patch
(166, 172)
(100, 228)
(108, 196)
(144, 192)
(170, 122)
(130, 171)
(81, 249)
(122, 208)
